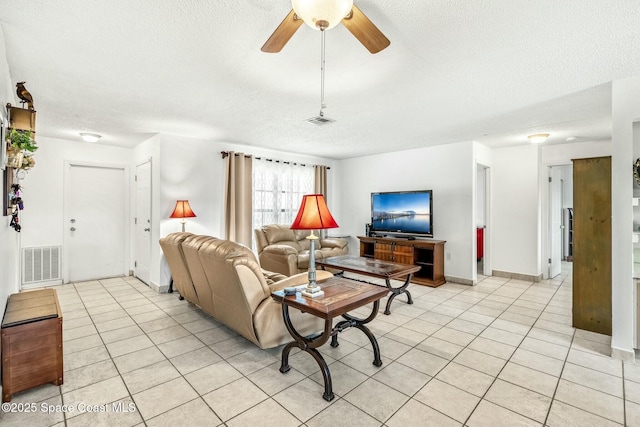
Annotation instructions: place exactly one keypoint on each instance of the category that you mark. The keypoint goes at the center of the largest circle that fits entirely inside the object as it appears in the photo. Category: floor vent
(41, 264)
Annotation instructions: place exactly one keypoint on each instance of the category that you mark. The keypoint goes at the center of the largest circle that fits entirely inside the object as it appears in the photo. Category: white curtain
(277, 191)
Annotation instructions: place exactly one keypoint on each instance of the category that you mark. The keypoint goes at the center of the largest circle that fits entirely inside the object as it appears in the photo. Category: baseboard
(161, 289)
(517, 276)
(459, 280)
(44, 284)
(623, 354)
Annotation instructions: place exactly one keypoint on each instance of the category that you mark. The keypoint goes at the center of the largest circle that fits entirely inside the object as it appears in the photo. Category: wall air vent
(41, 264)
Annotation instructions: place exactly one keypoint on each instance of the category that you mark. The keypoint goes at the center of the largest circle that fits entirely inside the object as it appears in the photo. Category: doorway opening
(560, 222)
(483, 266)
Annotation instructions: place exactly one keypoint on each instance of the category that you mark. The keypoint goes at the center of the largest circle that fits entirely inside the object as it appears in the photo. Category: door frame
(486, 263)
(65, 212)
(551, 208)
(135, 213)
(545, 223)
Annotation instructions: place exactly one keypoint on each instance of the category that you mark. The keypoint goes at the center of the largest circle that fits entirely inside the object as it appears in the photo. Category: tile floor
(500, 353)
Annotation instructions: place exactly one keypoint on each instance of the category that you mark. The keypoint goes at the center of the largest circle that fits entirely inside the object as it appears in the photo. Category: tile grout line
(364, 346)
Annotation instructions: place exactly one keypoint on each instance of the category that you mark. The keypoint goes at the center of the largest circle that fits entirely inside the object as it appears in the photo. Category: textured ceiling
(456, 70)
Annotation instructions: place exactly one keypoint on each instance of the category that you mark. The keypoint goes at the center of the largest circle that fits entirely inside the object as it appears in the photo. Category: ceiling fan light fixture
(538, 138)
(322, 14)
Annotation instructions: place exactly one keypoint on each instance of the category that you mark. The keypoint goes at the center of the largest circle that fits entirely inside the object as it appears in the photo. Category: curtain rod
(225, 154)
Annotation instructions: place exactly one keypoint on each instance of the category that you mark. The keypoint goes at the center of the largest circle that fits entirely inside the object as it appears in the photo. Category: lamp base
(312, 292)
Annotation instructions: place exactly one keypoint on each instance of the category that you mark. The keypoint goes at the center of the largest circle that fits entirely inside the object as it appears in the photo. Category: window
(277, 191)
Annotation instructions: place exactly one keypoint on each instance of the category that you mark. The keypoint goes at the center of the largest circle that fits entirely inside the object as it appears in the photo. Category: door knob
(72, 229)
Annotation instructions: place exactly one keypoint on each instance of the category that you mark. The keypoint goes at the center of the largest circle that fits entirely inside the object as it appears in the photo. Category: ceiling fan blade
(365, 31)
(283, 33)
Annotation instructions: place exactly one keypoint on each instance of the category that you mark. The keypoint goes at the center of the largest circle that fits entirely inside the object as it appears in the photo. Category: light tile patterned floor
(499, 353)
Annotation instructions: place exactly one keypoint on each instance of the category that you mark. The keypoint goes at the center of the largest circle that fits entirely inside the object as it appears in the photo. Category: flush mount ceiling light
(538, 138)
(90, 137)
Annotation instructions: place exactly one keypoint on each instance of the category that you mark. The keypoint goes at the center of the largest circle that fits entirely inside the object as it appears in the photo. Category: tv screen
(407, 212)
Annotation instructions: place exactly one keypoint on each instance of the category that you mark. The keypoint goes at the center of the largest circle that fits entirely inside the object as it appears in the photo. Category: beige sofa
(286, 251)
(225, 280)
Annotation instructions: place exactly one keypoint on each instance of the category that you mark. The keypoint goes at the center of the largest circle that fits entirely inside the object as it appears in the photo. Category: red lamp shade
(314, 214)
(182, 210)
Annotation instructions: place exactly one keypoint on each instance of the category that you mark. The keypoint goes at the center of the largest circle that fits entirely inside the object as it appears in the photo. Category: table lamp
(313, 215)
(182, 210)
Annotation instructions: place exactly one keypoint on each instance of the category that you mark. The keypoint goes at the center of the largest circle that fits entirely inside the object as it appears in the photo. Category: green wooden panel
(592, 244)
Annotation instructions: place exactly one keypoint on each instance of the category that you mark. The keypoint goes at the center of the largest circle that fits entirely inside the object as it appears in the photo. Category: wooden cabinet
(592, 244)
(428, 254)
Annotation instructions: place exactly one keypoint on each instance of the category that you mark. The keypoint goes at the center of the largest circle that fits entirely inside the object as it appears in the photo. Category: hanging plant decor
(19, 148)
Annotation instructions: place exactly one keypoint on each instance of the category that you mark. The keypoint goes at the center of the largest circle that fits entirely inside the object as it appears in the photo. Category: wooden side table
(31, 342)
(340, 296)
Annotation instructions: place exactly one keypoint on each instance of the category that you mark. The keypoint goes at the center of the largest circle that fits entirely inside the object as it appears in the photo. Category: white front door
(95, 220)
(142, 254)
(555, 221)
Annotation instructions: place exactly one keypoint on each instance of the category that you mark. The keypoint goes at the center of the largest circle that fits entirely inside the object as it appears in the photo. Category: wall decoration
(7, 182)
(3, 145)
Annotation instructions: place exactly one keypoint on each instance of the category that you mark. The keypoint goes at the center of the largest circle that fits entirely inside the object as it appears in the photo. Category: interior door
(555, 222)
(143, 222)
(95, 221)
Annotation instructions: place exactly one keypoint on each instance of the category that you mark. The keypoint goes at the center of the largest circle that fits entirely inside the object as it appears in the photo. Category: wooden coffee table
(386, 270)
(340, 296)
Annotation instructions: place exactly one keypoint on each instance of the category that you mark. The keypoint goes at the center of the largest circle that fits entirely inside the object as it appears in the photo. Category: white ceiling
(492, 71)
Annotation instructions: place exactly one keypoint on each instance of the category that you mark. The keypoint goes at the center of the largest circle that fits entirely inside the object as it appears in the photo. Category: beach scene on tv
(402, 212)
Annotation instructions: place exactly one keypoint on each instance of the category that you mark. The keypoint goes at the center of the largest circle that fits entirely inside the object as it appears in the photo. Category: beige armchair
(229, 284)
(286, 251)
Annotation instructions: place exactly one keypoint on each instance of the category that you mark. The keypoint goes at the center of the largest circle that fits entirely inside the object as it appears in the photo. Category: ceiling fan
(322, 15)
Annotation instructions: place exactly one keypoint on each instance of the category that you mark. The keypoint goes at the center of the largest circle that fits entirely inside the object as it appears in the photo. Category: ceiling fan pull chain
(322, 104)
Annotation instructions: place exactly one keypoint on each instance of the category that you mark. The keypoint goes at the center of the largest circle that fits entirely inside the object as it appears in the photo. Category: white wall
(448, 170)
(42, 218)
(515, 210)
(9, 239)
(557, 155)
(625, 111)
(193, 169)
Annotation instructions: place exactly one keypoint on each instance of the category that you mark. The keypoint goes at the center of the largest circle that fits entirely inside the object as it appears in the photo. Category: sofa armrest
(299, 279)
(280, 259)
(280, 250)
(334, 242)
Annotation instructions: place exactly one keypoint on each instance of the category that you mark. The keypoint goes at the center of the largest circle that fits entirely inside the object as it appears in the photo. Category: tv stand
(428, 254)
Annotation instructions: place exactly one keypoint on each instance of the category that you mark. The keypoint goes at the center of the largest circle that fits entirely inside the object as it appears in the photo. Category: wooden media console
(428, 254)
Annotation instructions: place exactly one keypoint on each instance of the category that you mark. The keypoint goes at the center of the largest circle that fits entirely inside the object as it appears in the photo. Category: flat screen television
(406, 212)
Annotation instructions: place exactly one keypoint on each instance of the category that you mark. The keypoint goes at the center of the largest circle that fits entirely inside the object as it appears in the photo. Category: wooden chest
(31, 342)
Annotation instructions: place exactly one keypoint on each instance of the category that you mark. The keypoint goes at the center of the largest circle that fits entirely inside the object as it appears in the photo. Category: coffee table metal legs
(397, 291)
(310, 344)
